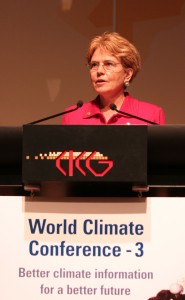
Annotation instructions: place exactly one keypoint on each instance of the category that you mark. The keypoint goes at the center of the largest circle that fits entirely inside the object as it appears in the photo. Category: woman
(113, 63)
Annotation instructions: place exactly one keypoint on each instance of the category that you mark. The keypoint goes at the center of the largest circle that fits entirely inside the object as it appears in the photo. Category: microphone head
(79, 103)
(113, 106)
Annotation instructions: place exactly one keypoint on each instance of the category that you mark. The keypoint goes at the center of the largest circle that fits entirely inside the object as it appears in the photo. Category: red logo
(74, 162)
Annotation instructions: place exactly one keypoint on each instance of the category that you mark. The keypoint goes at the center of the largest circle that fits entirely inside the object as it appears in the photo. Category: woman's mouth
(100, 82)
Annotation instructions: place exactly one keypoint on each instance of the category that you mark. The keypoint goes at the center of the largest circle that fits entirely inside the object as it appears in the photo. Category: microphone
(114, 107)
(78, 105)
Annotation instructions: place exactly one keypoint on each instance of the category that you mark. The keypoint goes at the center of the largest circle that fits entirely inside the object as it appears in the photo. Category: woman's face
(108, 82)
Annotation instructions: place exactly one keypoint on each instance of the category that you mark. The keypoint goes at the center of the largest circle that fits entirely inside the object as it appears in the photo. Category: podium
(84, 158)
(92, 160)
(75, 199)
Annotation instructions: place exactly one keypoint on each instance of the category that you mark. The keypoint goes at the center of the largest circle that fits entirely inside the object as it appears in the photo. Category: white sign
(127, 248)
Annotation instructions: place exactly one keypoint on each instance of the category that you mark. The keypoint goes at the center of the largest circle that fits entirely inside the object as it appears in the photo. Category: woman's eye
(108, 63)
(94, 65)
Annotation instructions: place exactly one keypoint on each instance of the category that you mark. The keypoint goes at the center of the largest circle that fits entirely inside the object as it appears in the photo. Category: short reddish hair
(118, 46)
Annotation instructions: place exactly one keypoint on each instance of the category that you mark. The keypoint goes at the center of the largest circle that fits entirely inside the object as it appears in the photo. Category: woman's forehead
(103, 54)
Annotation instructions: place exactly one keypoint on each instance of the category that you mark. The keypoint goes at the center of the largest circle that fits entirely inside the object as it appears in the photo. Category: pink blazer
(90, 114)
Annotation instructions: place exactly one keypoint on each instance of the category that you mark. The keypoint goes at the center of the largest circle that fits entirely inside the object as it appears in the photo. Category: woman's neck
(105, 102)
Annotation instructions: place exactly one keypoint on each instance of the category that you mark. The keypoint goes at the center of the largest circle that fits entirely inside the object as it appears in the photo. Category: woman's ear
(128, 74)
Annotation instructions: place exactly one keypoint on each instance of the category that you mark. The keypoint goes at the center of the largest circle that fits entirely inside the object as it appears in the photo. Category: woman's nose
(101, 68)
